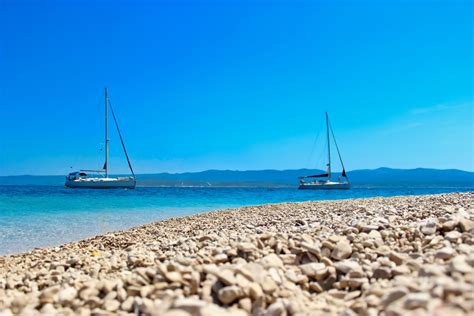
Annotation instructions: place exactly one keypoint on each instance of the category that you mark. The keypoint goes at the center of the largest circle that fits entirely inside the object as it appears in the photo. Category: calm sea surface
(37, 216)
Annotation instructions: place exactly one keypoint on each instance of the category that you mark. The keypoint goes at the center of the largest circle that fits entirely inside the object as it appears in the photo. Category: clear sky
(235, 84)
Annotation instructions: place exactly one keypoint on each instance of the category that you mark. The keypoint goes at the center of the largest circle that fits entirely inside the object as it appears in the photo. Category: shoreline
(88, 218)
(362, 255)
(224, 209)
(27, 243)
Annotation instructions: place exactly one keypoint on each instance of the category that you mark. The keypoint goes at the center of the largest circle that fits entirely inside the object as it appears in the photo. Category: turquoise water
(38, 216)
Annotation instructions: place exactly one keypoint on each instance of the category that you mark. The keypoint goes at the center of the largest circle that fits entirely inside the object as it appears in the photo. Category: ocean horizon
(44, 216)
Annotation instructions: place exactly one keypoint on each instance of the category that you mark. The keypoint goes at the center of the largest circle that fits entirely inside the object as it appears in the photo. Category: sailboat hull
(102, 183)
(324, 186)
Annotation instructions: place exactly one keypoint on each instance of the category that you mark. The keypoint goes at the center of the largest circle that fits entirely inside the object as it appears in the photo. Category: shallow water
(38, 216)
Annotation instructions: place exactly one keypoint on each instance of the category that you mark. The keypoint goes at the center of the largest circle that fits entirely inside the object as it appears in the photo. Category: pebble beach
(411, 255)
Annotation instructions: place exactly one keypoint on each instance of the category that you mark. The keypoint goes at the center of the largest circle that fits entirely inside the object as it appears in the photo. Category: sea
(40, 216)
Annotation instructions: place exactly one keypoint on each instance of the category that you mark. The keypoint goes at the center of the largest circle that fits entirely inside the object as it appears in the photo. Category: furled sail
(324, 175)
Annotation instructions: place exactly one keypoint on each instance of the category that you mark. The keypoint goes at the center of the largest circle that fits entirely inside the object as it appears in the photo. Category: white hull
(324, 186)
(102, 183)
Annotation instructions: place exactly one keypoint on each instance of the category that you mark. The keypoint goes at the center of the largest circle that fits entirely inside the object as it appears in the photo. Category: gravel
(390, 256)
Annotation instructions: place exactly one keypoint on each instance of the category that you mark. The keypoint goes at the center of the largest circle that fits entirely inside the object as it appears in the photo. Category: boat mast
(329, 147)
(106, 165)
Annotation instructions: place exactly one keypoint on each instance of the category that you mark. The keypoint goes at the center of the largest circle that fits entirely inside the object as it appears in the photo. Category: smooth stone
(246, 247)
(352, 295)
(445, 253)
(382, 273)
(342, 250)
(47, 309)
(355, 274)
(229, 294)
(255, 291)
(276, 309)
(227, 277)
(316, 287)
(431, 270)
(111, 305)
(288, 259)
(449, 225)
(176, 312)
(268, 284)
(453, 235)
(393, 296)
(337, 293)
(321, 274)
(396, 257)
(311, 269)
(206, 237)
(174, 276)
(345, 266)
(220, 258)
(272, 261)
(246, 304)
(401, 270)
(49, 294)
(372, 300)
(252, 271)
(67, 295)
(128, 304)
(357, 282)
(311, 248)
(293, 277)
(242, 281)
(214, 310)
(370, 228)
(375, 234)
(459, 264)
(300, 222)
(383, 250)
(416, 300)
(190, 305)
(466, 225)
(428, 228)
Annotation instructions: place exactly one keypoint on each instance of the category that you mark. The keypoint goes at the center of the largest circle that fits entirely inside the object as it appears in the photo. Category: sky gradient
(236, 84)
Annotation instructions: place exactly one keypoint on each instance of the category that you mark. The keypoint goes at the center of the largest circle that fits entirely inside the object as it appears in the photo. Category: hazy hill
(379, 177)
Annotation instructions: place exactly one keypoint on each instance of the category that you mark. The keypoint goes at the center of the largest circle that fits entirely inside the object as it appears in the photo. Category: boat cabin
(76, 175)
(302, 181)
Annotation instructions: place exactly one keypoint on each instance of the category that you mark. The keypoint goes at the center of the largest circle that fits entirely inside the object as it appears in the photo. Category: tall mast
(329, 147)
(106, 165)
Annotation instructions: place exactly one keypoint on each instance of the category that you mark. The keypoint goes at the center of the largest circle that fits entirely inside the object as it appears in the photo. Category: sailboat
(81, 179)
(313, 182)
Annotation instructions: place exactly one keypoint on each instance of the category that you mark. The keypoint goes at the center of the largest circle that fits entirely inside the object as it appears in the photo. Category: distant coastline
(275, 178)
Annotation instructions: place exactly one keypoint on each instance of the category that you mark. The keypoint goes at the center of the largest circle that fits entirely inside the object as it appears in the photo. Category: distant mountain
(278, 178)
(418, 176)
(229, 177)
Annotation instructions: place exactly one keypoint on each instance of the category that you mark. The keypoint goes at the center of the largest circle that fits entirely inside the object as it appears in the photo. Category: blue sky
(235, 84)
